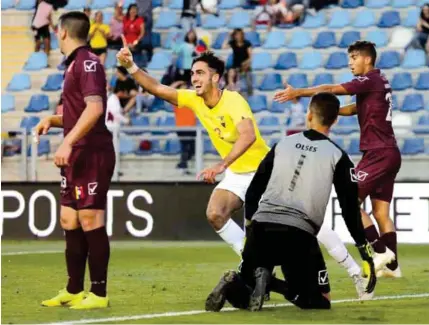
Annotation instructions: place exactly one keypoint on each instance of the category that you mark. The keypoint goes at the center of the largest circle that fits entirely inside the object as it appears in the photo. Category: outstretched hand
(124, 56)
(285, 95)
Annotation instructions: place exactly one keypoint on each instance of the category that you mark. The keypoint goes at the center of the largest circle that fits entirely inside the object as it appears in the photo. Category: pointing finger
(124, 41)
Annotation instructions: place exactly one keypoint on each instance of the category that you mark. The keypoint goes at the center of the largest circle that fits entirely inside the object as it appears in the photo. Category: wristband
(133, 69)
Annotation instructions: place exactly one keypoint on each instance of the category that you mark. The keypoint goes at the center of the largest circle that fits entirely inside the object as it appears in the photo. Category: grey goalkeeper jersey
(293, 184)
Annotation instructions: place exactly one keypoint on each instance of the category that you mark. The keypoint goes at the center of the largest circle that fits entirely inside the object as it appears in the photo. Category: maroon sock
(374, 239)
(76, 254)
(390, 240)
(98, 260)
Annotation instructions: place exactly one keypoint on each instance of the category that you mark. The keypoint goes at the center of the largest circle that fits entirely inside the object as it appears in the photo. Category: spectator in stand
(241, 59)
(189, 13)
(114, 116)
(295, 117)
(145, 11)
(98, 35)
(125, 89)
(186, 53)
(421, 39)
(87, 11)
(40, 25)
(144, 101)
(134, 28)
(116, 28)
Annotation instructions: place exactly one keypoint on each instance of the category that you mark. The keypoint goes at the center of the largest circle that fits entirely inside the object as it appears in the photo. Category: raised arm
(150, 84)
(290, 93)
(348, 110)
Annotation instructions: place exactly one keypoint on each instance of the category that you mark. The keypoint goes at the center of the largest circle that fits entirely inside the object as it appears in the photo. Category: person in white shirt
(114, 116)
(40, 25)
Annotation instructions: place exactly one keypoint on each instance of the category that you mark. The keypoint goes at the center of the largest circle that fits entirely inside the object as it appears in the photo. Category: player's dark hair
(364, 47)
(212, 61)
(326, 107)
(76, 23)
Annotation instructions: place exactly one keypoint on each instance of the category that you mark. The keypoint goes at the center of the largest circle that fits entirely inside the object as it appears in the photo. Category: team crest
(79, 193)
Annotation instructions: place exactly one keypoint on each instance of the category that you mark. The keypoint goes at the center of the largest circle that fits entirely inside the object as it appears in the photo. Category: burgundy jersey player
(87, 159)
(381, 158)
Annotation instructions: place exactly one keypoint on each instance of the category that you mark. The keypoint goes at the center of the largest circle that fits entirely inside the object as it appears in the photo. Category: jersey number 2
(390, 102)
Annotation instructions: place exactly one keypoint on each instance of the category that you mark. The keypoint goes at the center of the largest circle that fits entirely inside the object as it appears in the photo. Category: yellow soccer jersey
(220, 123)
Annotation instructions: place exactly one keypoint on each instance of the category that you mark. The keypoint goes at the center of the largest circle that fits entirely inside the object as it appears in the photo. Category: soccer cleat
(262, 277)
(92, 301)
(388, 273)
(64, 298)
(216, 299)
(381, 259)
(361, 287)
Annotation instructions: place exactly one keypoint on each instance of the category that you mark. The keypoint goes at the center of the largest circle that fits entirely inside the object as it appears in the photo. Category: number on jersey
(390, 102)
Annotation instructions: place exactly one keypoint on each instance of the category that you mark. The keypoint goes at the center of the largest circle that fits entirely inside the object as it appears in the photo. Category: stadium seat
(337, 60)
(311, 61)
(164, 122)
(339, 19)
(300, 40)
(277, 107)
(275, 40)
(286, 61)
(53, 83)
(101, 4)
(271, 81)
(324, 40)
(110, 59)
(377, 3)
(353, 148)
(7, 103)
(298, 80)
(7, 4)
(38, 103)
(269, 121)
(25, 5)
(346, 125)
(160, 61)
(379, 37)
(36, 61)
(395, 102)
(422, 81)
(209, 148)
(43, 148)
(414, 58)
(323, 79)
(242, 83)
(389, 60)
(257, 103)
(261, 61)
(365, 18)
(175, 4)
(173, 37)
(402, 3)
(220, 39)
(138, 121)
(315, 21)
(254, 38)
(166, 20)
(172, 147)
(401, 81)
(239, 19)
(127, 3)
(54, 42)
(157, 3)
(156, 39)
(389, 19)
(413, 146)
(214, 22)
(75, 5)
(352, 3)
(344, 77)
(423, 125)
(126, 145)
(19, 82)
(348, 38)
(412, 18)
(339, 142)
(412, 103)
(229, 4)
(29, 122)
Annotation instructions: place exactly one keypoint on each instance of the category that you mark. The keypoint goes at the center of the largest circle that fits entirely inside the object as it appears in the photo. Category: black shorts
(296, 251)
(99, 51)
(42, 33)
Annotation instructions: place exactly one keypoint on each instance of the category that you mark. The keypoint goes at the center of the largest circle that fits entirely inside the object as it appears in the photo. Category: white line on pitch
(31, 253)
(197, 312)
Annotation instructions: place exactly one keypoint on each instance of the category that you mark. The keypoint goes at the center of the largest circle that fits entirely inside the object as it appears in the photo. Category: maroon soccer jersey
(374, 110)
(85, 77)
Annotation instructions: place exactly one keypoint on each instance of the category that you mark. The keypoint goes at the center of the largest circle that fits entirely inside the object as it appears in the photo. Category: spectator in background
(144, 101)
(186, 53)
(116, 28)
(125, 89)
(189, 14)
(98, 35)
(87, 12)
(241, 59)
(145, 11)
(422, 35)
(134, 28)
(40, 25)
(114, 116)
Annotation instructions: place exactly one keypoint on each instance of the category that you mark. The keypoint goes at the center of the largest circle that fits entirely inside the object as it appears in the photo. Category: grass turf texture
(154, 278)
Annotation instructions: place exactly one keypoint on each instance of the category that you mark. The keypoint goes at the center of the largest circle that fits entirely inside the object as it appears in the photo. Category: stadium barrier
(176, 211)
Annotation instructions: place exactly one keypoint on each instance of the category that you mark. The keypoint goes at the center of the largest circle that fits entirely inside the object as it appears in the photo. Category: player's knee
(90, 220)
(216, 218)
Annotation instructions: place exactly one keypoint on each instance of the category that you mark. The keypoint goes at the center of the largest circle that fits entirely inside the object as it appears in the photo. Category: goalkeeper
(285, 205)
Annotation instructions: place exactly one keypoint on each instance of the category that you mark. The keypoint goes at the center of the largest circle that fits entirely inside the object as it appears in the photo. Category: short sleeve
(186, 98)
(91, 28)
(92, 78)
(358, 85)
(247, 44)
(106, 29)
(240, 109)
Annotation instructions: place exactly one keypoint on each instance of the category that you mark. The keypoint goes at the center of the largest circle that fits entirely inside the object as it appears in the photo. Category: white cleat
(381, 259)
(360, 286)
(388, 273)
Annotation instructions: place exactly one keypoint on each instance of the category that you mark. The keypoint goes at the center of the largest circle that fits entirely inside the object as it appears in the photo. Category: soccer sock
(76, 254)
(372, 236)
(338, 250)
(390, 240)
(98, 260)
(233, 235)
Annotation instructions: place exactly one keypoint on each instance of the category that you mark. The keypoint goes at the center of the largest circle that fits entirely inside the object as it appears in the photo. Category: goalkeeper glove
(368, 270)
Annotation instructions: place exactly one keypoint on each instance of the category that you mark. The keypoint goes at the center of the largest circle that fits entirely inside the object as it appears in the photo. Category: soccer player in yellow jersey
(232, 129)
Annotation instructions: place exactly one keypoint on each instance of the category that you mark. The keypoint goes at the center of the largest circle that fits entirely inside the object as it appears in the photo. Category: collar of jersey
(314, 135)
(216, 107)
(73, 55)
(373, 71)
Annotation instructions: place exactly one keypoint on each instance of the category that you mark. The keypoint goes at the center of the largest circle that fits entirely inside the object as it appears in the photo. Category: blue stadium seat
(389, 19)
(36, 61)
(286, 61)
(7, 103)
(228, 63)
(422, 81)
(229, 4)
(43, 148)
(395, 102)
(402, 3)
(157, 3)
(75, 5)
(412, 103)
(110, 59)
(257, 103)
(277, 107)
(172, 147)
(339, 142)
(101, 4)
(261, 61)
(275, 40)
(160, 61)
(423, 124)
(412, 18)
(311, 61)
(19, 82)
(7, 4)
(53, 83)
(345, 77)
(414, 58)
(37, 104)
(271, 81)
(220, 39)
(324, 40)
(389, 60)
(173, 37)
(348, 38)
(54, 42)
(350, 123)
(379, 37)
(127, 3)
(164, 122)
(353, 148)
(209, 148)
(166, 20)
(156, 39)
(377, 3)
(239, 19)
(138, 121)
(25, 5)
(29, 122)
(300, 40)
(298, 80)
(175, 4)
(402, 81)
(339, 19)
(413, 146)
(158, 105)
(352, 3)
(323, 79)
(126, 145)
(254, 38)
(214, 22)
(269, 121)
(315, 21)
(365, 18)
(337, 60)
